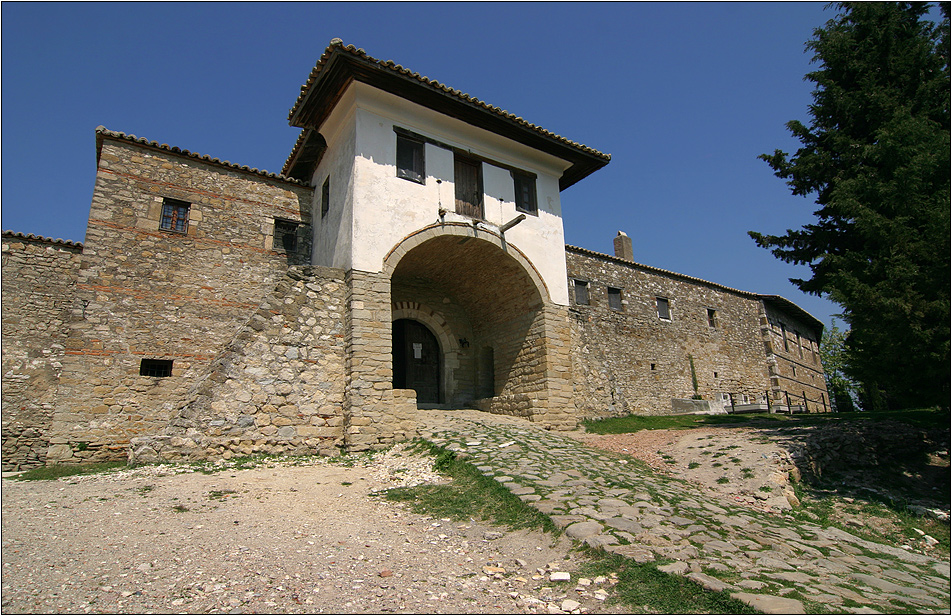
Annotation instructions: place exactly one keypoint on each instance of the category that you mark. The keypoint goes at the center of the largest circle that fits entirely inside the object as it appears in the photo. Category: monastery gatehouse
(410, 254)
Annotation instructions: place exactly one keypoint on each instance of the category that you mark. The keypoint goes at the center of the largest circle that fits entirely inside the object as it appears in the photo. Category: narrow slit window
(664, 308)
(174, 215)
(156, 367)
(326, 197)
(581, 293)
(525, 185)
(712, 317)
(614, 299)
(410, 161)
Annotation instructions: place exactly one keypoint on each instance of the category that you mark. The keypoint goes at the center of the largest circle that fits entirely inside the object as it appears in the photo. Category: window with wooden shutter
(174, 215)
(614, 298)
(469, 187)
(581, 293)
(285, 235)
(525, 185)
(664, 309)
(410, 162)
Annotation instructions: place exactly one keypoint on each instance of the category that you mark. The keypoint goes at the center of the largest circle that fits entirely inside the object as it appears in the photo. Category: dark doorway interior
(416, 360)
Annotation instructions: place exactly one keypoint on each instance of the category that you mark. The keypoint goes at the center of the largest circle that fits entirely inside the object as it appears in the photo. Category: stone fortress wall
(631, 358)
(39, 280)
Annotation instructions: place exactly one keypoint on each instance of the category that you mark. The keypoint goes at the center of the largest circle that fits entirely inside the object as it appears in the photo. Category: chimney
(623, 247)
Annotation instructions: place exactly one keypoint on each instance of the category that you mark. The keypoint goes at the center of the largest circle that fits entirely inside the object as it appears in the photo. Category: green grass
(642, 588)
(471, 495)
(57, 471)
(924, 418)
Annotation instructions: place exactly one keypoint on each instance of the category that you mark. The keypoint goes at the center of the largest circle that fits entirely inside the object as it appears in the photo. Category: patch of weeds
(220, 495)
(729, 447)
(642, 585)
(747, 472)
(718, 454)
(179, 508)
(470, 496)
(693, 465)
(735, 460)
(57, 471)
(717, 464)
(723, 480)
(347, 483)
(350, 460)
(766, 489)
(143, 490)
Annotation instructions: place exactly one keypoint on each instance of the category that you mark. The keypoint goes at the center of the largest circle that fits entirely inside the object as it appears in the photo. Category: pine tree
(876, 155)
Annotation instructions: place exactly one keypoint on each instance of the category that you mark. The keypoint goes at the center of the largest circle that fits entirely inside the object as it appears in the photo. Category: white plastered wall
(377, 209)
(333, 233)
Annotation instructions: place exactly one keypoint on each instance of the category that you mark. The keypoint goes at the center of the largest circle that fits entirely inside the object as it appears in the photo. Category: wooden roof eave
(343, 68)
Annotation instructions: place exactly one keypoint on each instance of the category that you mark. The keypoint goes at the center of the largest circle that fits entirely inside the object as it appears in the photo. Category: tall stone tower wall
(178, 295)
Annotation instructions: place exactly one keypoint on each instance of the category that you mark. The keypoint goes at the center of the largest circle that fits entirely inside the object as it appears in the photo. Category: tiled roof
(769, 298)
(337, 46)
(41, 238)
(102, 131)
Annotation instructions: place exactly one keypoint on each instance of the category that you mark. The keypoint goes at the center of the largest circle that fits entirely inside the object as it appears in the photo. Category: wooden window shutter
(469, 187)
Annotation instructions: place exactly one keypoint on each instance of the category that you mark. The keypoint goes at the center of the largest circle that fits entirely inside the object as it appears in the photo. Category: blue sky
(684, 96)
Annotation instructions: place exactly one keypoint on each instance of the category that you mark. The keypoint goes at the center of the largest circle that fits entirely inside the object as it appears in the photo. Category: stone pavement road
(605, 500)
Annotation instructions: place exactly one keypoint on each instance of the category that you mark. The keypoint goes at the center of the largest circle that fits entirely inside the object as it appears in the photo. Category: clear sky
(684, 96)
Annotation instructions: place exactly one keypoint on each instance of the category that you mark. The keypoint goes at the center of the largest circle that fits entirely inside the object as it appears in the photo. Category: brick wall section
(632, 361)
(277, 388)
(39, 276)
(151, 293)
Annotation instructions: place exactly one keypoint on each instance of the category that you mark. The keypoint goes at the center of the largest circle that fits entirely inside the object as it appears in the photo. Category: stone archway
(449, 346)
(505, 344)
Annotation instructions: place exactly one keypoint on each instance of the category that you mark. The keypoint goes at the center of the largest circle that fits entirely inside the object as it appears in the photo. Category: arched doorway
(416, 360)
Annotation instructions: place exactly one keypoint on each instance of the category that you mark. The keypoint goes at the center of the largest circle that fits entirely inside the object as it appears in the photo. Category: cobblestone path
(606, 501)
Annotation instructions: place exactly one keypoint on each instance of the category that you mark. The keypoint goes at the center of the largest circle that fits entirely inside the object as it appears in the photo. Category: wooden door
(469, 187)
(416, 360)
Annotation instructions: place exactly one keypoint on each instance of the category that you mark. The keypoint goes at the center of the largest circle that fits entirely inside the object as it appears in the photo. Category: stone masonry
(39, 278)
(628, 359)
(146, 293)
(277, 388)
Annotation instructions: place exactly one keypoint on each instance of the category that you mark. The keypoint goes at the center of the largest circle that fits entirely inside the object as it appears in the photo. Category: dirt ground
(310, 538)
(284, 538)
